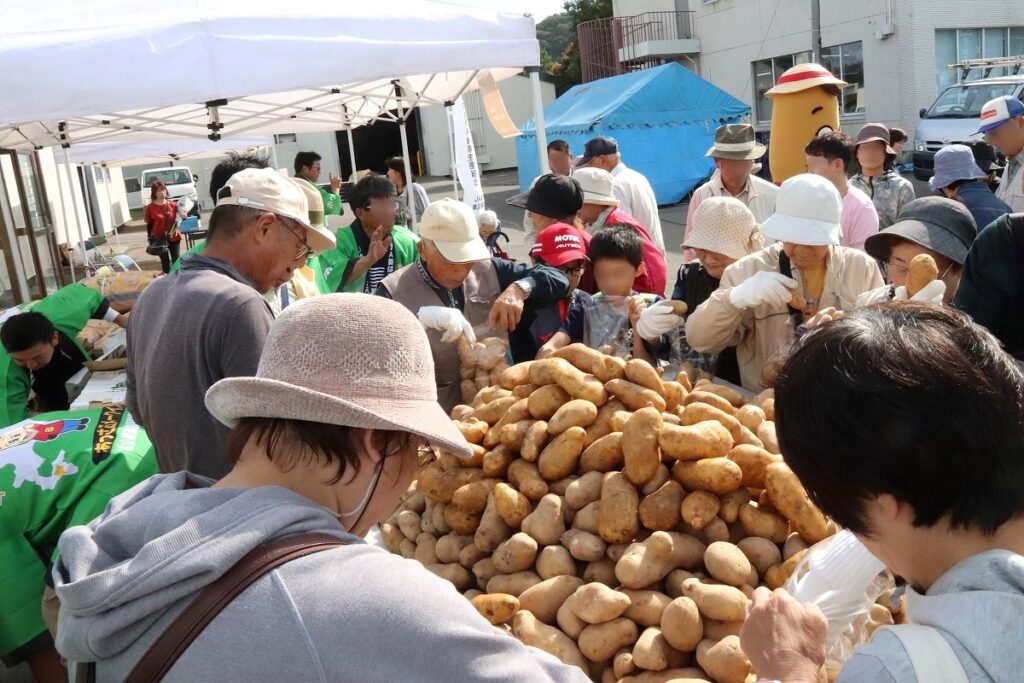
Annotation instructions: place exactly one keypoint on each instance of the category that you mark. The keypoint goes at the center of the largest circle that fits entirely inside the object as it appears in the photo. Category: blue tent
(663, 118)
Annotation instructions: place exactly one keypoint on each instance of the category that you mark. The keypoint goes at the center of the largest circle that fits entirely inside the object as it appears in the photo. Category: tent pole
(451, 147)
(538, 120)
(351, 151)
(74, 205)
(405, 157)
(67, 223)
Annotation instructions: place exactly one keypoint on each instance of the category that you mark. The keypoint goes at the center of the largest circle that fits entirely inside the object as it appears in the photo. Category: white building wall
(627, 8)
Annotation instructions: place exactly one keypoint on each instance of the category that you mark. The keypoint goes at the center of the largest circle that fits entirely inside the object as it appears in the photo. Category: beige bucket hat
(344, 359)
(724, 225)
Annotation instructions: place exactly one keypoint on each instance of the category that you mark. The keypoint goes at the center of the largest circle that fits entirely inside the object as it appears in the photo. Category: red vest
(654, 279)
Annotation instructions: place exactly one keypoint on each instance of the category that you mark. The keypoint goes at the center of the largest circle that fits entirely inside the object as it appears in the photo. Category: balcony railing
(617, 45)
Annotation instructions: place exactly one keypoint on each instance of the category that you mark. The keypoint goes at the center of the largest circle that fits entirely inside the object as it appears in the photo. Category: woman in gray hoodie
(906, 423)
(325, 439)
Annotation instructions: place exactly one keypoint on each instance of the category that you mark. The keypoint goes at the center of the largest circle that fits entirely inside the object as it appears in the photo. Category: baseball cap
(320, 231)
(597, 147)
(943, 225)
(598, 186)
(999, 111)
(808, 210)
(874, 132)
(451, 226)
(553, 195)
(265, 189)
(558, 244)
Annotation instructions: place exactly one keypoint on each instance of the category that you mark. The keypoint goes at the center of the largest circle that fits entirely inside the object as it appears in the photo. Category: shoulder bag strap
(931, 655)
(786, 268)
(163, 654)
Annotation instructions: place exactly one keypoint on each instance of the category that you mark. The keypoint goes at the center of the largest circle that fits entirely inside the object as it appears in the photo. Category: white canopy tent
(242, 69)
(128, 151)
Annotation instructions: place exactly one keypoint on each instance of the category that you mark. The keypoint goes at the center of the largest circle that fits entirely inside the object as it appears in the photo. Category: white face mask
(370, 488)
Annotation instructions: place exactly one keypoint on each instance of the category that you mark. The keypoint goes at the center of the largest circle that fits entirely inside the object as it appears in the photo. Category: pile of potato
(615, 520)
(481, 364)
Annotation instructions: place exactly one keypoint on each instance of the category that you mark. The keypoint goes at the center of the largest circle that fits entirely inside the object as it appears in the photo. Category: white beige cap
(453, 229)
(598, 186)
(726, 226)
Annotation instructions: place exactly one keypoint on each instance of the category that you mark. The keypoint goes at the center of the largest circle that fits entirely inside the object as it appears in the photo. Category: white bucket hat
(598, 186)
(344, 359)
(808, 211)
(726, 226)
(453, 229)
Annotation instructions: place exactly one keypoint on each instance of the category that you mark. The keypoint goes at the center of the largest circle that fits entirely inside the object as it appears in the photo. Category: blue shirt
(983, 205)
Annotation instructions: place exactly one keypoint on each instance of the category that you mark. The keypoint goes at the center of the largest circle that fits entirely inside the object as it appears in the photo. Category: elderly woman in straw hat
(723, 231)
(325, 438)
(764, 299)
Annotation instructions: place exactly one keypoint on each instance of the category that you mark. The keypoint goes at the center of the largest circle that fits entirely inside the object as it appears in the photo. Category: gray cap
(943, 225)
(953, 163)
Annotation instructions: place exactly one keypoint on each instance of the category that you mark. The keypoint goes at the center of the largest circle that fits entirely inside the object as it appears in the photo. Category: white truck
(180, 182)
(954, 116)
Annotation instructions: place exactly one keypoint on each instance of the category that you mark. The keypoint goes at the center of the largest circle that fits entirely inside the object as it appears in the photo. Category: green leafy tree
(566, 71)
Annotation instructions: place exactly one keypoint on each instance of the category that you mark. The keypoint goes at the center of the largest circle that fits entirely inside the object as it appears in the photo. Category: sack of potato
(122, 289)
(481, 363)
(91, 336)
(613, 519)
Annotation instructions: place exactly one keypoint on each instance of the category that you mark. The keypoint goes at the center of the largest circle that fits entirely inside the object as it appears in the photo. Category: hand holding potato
(784, 639)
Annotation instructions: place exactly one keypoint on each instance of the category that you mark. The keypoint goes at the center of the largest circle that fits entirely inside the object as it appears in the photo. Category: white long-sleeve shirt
(1011, 187)
(636, 197)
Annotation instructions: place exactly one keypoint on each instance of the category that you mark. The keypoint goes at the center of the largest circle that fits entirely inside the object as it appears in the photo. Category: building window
(846, 61)
(284, 138)
(954, 45)
(766, 72)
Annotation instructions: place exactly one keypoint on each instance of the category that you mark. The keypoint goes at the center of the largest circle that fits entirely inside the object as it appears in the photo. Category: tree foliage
(564, 66)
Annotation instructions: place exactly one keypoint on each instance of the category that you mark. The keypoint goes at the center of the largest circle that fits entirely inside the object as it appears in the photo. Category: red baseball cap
(558, 244)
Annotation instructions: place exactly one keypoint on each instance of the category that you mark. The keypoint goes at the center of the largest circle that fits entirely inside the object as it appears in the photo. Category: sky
(540, 9)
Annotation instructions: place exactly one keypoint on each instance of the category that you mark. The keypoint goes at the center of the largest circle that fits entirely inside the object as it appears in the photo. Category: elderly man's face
(560, 162)
(1008, 138)
(589, 213)
(447, 274)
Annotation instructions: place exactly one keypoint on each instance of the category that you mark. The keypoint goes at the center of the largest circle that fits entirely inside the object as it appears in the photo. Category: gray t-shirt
(188, 330)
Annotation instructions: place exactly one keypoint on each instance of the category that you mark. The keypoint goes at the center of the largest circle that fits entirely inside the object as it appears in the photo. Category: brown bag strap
(162, 655)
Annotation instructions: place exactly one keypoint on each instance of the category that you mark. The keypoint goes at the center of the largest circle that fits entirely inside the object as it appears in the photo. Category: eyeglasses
(894, 268)
(304, 250)
(575, 272)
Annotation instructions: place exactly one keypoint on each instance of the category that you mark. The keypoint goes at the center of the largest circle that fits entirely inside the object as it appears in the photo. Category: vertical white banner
(466, 167)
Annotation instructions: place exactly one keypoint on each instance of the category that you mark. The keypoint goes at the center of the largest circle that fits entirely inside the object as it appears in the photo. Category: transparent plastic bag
(844, 580)
(607, 327)
(684, 359)
(482, 362)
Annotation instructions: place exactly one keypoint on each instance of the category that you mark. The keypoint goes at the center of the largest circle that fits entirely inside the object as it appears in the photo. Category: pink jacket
(654, 279)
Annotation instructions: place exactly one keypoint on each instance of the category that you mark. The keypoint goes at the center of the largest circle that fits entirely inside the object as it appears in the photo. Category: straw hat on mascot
(805, 103)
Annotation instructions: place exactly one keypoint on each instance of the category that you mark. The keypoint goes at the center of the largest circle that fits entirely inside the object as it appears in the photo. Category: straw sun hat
(724, 225)
(344, 359)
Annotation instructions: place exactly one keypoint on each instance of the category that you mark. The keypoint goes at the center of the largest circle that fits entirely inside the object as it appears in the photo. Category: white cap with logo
(453, 229)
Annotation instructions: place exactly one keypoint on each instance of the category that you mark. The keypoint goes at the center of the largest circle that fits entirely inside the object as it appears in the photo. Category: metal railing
(612, 46)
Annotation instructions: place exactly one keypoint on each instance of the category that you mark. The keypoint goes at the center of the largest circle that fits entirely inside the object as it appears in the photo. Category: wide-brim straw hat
(344, 359)
(726, 226)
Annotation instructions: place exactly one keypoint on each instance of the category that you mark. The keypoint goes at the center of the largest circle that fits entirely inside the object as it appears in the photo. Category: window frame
(806, 56)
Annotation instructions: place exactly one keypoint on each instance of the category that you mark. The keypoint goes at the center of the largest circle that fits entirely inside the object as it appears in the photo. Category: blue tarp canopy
(663, 118)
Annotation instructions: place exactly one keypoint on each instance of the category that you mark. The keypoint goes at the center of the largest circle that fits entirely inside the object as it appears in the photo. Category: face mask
(358, 510)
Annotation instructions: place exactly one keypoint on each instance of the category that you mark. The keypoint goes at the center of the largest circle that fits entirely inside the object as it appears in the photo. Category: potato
(753, 461)
(794, 544)
(497, 608)
(496, 462)
(731, 503)
(525, 477)
(449, 547)
(580, 355)
(651, 650)
(602, 571)
(528, 629)
(555, 560)
(766, 433)
(716, 530)
(440, 485)
(559, 458)
(547, 522)
(596, 603)
(493, 530)
(727, 563)
(409, 524)
(575, 413)
(602, 425)
(716, 630)
(751, 417)
(544, 599)
(517, 412)
(673, 675)
(584, 491)
(609, 368)
(567, 620)
(619, 517)
(674, 582)
(681, 624)
(516, 375)
(516, 554)
(715, 475)
(473, 430)
(724, 603)
(619, 420)
(583, 545)
(545, 402)
(698, 395)
(483, 569)
(674, 393)
(660, 511)
(696, 413)
(731, 395)
(622, 664)
(588, 518)
(923, 270)
(455, 574)
(560, 486)
(764, 523)
(580, 384)
(634, 396)
(392, 536)
(692, 442)
(468, 390)
(640, 451)
(599, 642)
(407, 549)
(645, 606)
(643, 373)
(671, 418)
(461, 412)
(603, 455)
(776, 576)
(724, 661)
(662, 475)
(472, 497)
(542, 371)
(649, 561)
(790, 498)
(699, 508)
(512, 506)
(512, 435)
(513, 584)
(762, 553)
(493, 411)
(524, 390)
(426, 549)
(488, 394)
(748, 438)
(534, 441)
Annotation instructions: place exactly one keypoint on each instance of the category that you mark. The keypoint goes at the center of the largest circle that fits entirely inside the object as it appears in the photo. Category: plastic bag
(844, 580)
(483, 361)
(607, 327)
(683, 359)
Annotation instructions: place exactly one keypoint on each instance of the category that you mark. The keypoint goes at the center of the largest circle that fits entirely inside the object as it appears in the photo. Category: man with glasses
(209, 320)
(1002, 123)
(939, 227)
(372, 247)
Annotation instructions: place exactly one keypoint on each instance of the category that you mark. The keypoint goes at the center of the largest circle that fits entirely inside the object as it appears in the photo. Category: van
(954, 117)
(180, 182)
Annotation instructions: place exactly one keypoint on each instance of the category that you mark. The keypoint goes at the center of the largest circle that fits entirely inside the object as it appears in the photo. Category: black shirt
(694, 286)
(49, 382)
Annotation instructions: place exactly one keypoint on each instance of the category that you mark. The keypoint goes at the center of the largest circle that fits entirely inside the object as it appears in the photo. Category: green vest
(196, 249)
(332, 202)
(69, 309)
(335, 263)
(57, 470)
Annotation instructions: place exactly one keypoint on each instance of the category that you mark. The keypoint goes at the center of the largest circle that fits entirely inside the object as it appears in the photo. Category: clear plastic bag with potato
(607, 327)
(684, 359)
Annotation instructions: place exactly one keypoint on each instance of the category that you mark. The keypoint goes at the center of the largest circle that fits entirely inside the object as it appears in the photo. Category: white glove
(657, 320)
(764, 287)
(450, 321)
(931, 293)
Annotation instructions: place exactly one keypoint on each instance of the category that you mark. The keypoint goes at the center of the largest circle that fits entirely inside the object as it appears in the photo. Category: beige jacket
(764, 333)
